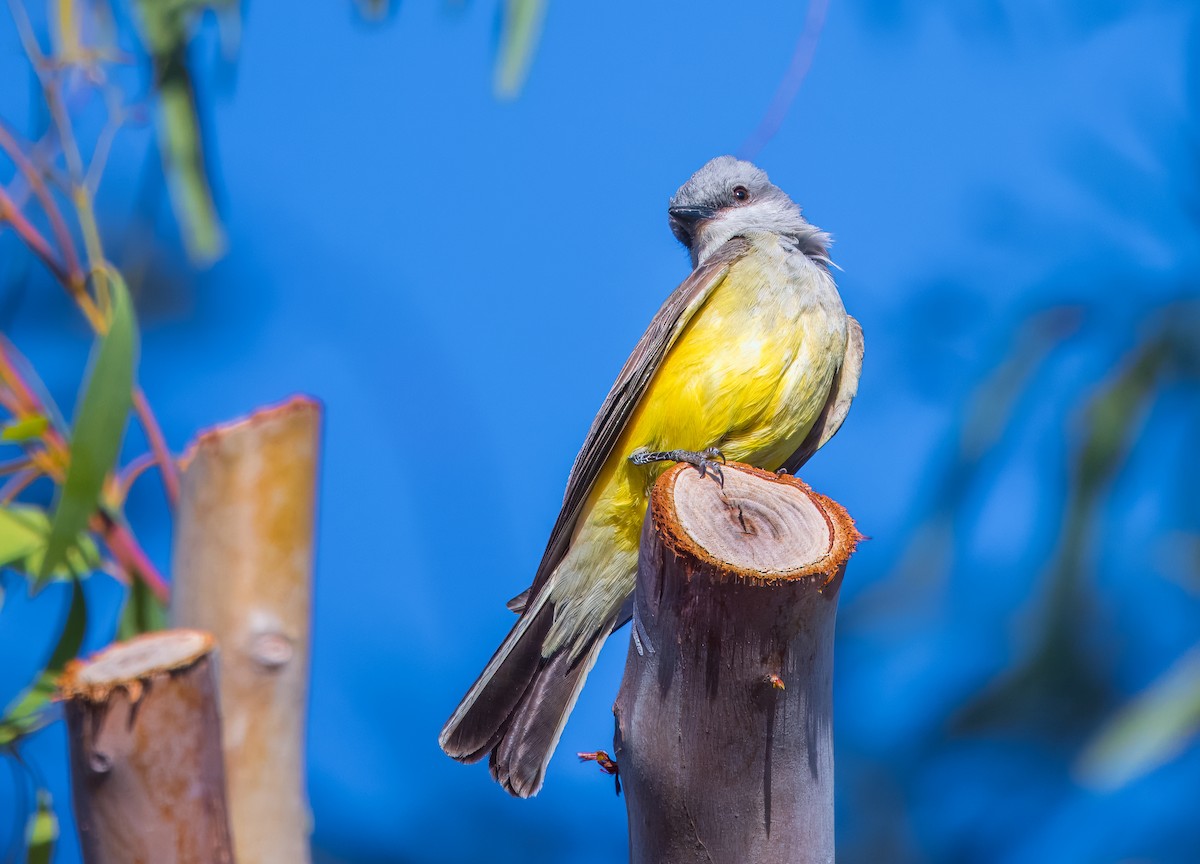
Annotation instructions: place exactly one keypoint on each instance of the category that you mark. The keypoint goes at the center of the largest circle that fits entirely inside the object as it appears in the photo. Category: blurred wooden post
(147, 774)
(243, 561)
(724, 737)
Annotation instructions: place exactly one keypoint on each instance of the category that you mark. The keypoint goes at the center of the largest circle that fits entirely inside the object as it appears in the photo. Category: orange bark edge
(212, 436)
(73, 686)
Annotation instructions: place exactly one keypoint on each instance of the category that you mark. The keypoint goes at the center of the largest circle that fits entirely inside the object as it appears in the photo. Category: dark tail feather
(518, 707)
(531, 732)
(481, 719)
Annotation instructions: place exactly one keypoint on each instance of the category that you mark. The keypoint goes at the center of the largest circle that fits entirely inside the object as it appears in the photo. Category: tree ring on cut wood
(744, 529)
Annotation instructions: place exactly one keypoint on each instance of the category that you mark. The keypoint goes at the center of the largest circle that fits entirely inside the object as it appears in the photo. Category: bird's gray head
(730, 198)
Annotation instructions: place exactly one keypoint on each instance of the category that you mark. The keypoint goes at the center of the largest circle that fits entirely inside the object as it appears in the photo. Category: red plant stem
(61, 233)
(32, 238)
(12, 466)
(129, 554)
(27, 400)
(17, 483)
(158, 444)
(27, 403)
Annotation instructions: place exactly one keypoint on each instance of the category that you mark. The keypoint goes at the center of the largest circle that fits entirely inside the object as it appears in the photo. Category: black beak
(685, 219)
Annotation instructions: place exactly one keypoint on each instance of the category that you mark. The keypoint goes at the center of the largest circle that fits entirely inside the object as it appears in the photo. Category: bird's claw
(705, 461)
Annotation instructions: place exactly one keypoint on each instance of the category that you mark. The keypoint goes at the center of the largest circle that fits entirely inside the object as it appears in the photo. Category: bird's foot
(706, 461)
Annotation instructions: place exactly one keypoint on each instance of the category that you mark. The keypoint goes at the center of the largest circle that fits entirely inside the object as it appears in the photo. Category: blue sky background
(459, 278)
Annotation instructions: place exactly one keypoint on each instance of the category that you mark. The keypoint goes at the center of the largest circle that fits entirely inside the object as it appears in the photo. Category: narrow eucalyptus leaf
(520, 31)
(99, 428)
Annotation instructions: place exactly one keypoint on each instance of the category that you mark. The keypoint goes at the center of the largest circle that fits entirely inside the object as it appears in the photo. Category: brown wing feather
(841, 393)
(627, 392)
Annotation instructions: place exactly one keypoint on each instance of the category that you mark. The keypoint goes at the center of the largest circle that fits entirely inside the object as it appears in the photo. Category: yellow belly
(749, 375)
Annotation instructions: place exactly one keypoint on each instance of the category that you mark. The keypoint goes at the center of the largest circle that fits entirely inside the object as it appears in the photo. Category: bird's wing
(841, 394)
(623, 399)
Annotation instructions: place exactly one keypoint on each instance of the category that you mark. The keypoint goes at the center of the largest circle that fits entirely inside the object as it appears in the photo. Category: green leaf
(24, 533)
(519, 35)
(41, 831)
(99, 428)
(27, 714)
(25, 429)
(142, 613)
(1148, 732)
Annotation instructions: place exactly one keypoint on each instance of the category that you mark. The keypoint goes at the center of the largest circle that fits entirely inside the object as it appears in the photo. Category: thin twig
(16, 484)
(12, 466)
(31, 237)
(129, 554)
(789, 86)
(129, 475)
(104, 142)
(37, 183)
(158, 444)
(27, 401)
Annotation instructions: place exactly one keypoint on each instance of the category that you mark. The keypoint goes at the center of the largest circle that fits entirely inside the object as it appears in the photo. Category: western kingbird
(754, 358)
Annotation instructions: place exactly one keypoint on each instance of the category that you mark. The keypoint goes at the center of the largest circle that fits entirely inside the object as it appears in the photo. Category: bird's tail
(517, 708)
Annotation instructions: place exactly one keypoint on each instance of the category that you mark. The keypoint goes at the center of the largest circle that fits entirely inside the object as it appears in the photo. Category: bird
(752, 358)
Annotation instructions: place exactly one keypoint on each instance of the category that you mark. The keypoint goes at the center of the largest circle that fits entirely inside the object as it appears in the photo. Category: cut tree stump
(724, 735)
(147, 771)
(243, 561)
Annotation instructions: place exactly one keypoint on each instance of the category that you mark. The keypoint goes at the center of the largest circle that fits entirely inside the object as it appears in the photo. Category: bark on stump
(147, 773)
(243, 561)
(724, 717)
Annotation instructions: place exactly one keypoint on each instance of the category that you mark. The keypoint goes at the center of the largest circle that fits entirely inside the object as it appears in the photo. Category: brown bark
(147, 773)
(243, 561)
(724, 736)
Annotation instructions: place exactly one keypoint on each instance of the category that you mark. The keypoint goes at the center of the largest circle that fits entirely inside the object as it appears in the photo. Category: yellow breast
(749, 375)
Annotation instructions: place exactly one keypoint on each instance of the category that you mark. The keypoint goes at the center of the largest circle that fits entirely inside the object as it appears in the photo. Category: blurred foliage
(52, 213)
(520, 30)
(167, 28)
(1044, 733)
(1056, 688)
(1149, 731)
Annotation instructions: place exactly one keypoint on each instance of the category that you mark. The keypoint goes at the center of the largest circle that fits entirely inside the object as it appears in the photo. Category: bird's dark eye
(741, 193)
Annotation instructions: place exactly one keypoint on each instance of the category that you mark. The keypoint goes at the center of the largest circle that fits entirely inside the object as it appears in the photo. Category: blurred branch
(34, 241)
(158, 445)
(74, 275)
(789, 86)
